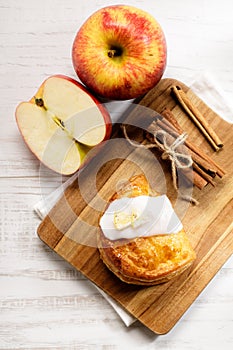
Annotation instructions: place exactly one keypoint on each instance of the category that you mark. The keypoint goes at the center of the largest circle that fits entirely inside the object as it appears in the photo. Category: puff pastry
(145, 260)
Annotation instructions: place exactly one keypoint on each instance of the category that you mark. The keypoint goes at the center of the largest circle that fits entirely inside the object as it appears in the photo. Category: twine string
(178, 160)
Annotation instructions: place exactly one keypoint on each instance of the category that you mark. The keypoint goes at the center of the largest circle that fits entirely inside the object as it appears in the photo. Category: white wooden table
(44, 303)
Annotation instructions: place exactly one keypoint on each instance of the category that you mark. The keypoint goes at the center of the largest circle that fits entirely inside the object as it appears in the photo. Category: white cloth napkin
(205, 87)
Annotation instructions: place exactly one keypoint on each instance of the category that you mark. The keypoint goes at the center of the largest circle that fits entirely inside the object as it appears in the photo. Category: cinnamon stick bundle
(204, 168)
(191, 176)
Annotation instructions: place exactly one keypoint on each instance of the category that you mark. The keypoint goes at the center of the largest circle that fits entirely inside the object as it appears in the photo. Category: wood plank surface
(71, 226)
(45, 302)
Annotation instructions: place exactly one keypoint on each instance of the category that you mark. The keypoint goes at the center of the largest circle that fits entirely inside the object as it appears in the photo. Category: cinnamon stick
(197, 117)
(203, 174)
(169, 116)
(213, 165)
(195, 178)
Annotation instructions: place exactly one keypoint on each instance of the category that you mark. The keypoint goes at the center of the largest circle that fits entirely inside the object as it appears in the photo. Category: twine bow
(178, 160)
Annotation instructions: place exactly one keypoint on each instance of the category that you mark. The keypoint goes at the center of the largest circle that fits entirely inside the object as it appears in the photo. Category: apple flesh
(62, 122)
(120, 52)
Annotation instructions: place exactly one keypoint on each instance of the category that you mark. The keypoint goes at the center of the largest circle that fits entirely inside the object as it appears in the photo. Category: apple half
(62, 122)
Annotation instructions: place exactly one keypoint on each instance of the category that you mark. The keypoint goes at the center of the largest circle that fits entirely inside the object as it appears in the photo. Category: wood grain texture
(70, 228)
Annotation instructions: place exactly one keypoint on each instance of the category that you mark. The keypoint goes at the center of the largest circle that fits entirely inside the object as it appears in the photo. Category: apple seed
(39, 102)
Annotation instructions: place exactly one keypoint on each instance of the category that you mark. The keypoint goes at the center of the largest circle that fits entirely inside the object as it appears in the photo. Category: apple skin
(120, 52)
(83, 149)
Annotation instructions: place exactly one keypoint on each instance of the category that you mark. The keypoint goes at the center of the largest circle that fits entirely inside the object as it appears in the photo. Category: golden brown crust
(145, 260)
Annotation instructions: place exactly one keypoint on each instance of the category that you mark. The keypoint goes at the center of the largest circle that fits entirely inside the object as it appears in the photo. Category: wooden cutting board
(71, 226)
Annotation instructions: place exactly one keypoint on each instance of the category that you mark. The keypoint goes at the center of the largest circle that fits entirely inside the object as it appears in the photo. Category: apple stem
(112, 53)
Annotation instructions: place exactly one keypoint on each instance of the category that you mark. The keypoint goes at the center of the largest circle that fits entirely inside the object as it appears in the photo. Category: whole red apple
(120, 52)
